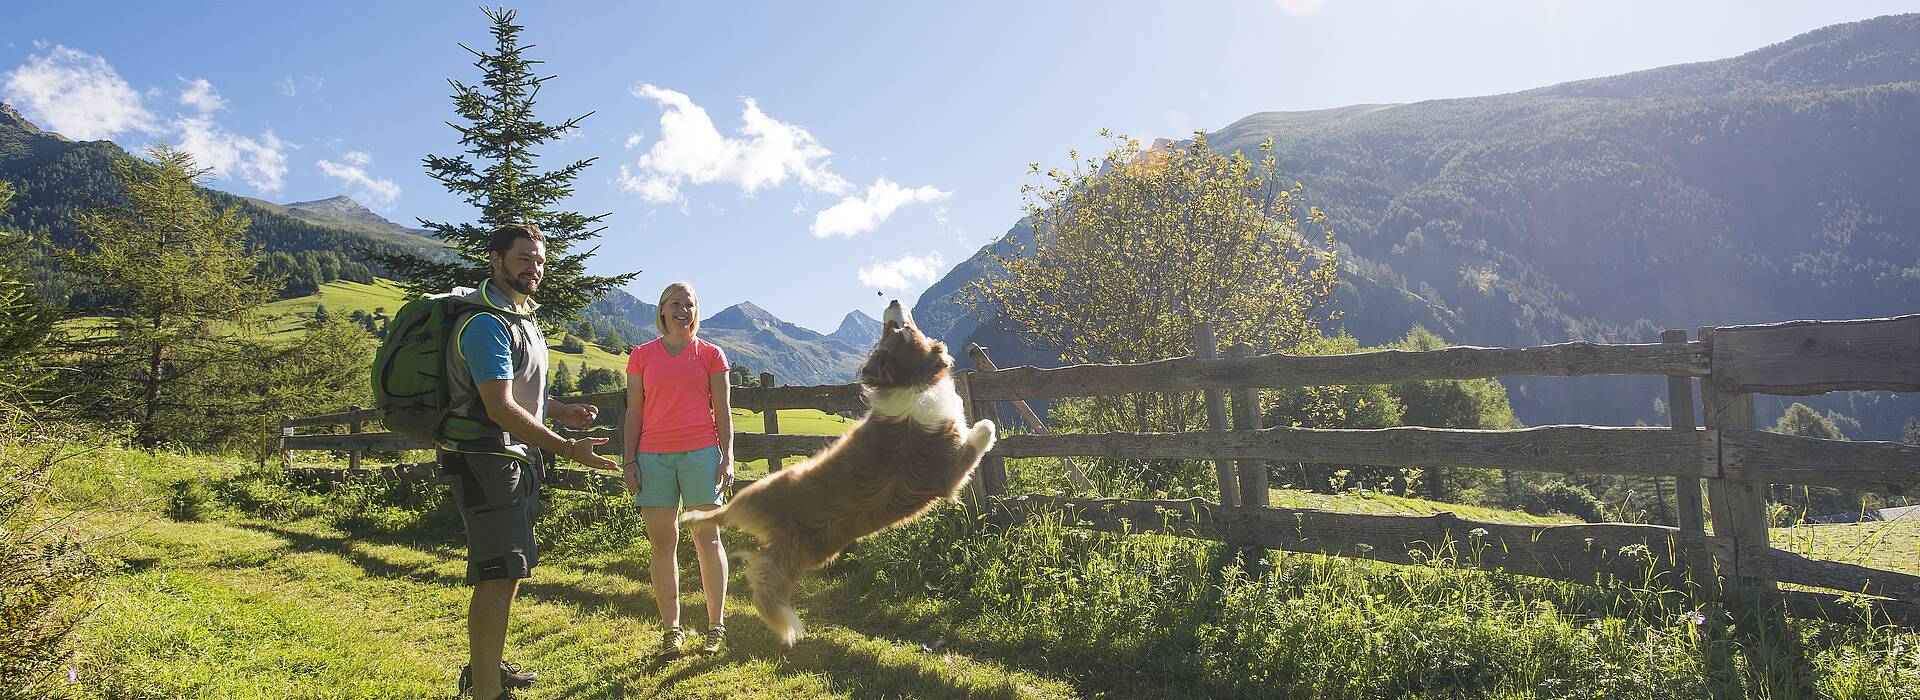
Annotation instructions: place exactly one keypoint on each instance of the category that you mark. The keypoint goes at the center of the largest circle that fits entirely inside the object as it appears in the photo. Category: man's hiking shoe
(672, 643)
(716, 640)
(510, 677)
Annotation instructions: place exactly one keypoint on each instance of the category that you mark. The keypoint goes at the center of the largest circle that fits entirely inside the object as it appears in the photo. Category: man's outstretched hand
(582, 451)
(575, 415)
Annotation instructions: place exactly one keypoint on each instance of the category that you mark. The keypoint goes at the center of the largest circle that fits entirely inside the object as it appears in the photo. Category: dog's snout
(896, 315)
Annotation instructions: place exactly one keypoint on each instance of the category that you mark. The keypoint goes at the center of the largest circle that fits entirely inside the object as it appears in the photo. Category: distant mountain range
(1780, 184)
(343, 212)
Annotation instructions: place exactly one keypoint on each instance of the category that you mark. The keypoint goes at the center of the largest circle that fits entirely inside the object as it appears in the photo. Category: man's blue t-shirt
(487, 347)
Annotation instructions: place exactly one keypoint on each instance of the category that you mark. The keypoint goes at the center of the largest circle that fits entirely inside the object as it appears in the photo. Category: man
(490, 445)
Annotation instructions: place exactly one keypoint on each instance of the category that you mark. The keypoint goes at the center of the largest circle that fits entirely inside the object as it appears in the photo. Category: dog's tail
(716, 517)
(772, 580)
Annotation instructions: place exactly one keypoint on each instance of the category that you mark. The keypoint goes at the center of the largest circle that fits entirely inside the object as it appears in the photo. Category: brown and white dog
(908, 452)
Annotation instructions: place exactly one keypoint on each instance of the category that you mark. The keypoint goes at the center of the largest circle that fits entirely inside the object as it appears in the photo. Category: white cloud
(943, 221)
(77, 94)
(290, 87)
(904, 273)
(765, 153)
(375, 192)
(1300, 8)
(201, 96)
(633, 139)
(260, 162)
(80, 95)
(858, 214)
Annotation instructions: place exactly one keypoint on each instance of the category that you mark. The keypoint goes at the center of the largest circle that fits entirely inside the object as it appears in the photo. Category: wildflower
(1695, 618)
(1477, 532)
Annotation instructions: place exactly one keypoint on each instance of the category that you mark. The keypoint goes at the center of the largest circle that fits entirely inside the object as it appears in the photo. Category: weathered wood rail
(1732, 459)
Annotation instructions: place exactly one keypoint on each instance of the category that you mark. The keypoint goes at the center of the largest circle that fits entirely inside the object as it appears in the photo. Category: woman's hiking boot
(672, 644)
(716, 640)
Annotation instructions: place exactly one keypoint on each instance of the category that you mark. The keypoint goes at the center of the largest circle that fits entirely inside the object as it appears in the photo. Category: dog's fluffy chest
(929, 408)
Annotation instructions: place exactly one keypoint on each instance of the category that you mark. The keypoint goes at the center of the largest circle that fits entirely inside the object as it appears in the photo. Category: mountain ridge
(1769, 186)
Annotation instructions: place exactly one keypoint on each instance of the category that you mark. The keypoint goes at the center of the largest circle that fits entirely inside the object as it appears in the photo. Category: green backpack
(410, 388)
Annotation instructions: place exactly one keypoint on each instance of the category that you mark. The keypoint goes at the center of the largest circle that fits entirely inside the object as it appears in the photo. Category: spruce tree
(1912, 436)
(562, 380)
(498, 175)
(26, 321)
(185, 275)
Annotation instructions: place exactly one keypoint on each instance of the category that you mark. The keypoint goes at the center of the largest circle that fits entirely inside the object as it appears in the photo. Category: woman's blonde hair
(660, 313)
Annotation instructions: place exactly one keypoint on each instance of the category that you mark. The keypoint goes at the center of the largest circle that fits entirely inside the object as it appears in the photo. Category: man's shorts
(674, 479)
(498, 498)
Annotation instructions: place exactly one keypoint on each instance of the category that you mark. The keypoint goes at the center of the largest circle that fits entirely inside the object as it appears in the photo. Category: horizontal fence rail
(604, 483)
(1378, 367)
(1802, 358)
(1576, 553)
(1558, 448)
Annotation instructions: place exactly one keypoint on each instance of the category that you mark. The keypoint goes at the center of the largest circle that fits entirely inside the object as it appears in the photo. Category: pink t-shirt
(677, 410)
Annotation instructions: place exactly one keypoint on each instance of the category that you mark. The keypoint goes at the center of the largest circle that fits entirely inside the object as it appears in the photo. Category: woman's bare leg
(663, 537)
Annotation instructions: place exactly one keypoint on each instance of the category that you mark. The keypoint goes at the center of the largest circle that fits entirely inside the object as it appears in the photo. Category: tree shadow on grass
(641, 602)
(1090, 670)
(860, 670)
(855, 669)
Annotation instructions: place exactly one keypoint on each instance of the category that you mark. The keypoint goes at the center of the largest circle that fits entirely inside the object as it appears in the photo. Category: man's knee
(496, 589)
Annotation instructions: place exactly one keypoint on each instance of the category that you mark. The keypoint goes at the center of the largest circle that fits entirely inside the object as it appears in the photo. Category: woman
(678, 446)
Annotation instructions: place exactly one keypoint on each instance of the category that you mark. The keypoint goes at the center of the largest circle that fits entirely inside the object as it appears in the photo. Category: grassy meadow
(231, 582)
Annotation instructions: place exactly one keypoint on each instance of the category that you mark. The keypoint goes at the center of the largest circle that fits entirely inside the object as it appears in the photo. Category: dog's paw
(982, 437)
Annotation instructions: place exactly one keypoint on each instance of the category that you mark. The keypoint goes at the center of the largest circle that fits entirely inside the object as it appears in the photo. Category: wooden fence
(1735, 461)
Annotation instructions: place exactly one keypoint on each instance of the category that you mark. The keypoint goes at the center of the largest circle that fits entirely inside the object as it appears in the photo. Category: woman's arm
(723, 424)
(630, 433)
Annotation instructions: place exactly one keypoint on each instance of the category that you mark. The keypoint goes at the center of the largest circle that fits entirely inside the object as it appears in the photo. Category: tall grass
(49, 573)
(1145, 614)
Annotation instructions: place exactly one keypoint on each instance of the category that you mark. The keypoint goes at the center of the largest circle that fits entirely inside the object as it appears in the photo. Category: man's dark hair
(502, 238)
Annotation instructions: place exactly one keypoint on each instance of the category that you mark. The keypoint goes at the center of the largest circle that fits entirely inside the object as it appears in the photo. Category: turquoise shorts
(674, 479)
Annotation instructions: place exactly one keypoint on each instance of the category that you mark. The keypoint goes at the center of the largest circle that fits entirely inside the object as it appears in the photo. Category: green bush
(1561, 497)
(187, 500)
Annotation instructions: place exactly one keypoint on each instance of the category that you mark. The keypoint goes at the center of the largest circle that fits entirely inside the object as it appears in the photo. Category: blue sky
(845, 148)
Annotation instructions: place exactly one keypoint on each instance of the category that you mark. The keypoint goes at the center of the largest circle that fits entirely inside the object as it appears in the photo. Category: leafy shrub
(187, 500)
(1561, 497)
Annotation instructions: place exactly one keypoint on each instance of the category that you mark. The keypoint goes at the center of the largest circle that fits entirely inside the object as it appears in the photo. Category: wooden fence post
(1253, 472)
(772, 426)
(975, 492)
(1246, 416)
(1689, 512)
(1740, 518)
(1205, 348)
(353, 428)
(985, 364)
(991, 475)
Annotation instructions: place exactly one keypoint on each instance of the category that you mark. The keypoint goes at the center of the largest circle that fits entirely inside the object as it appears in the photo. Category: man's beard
(524, 285)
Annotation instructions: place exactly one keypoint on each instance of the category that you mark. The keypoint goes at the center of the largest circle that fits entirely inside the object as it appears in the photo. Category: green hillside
(341, 299)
